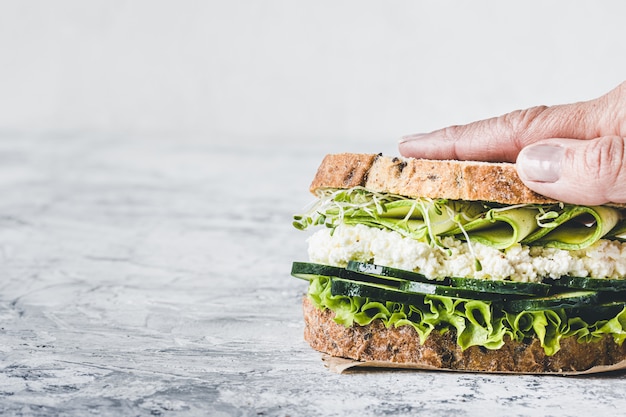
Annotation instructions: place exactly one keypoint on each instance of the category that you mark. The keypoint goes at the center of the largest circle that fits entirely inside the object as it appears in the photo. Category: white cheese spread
(604, 259)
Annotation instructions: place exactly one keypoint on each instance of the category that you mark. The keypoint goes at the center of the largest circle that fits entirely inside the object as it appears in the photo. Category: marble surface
(150, 276)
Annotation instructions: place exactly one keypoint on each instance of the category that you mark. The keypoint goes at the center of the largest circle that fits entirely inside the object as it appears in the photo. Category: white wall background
(297, 70)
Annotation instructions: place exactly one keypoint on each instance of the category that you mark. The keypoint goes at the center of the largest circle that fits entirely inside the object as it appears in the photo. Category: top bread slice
(453, 180)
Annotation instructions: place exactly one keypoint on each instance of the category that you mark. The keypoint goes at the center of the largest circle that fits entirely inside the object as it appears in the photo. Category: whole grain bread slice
(454, 180)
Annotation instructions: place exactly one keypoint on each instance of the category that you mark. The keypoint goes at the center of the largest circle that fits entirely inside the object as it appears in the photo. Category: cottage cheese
(604, 259)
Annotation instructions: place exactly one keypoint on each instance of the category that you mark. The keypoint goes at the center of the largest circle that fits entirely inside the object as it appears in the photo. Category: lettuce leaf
(615, 327)
(477, 323)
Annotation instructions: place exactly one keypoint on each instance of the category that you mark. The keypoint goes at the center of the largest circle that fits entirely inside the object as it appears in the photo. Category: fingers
(591, 172)
(502, 138)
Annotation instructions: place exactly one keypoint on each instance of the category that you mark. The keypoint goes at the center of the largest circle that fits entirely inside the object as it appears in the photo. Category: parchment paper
(343, 365)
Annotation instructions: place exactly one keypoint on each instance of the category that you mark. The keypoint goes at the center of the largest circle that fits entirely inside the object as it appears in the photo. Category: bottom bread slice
(401, 345)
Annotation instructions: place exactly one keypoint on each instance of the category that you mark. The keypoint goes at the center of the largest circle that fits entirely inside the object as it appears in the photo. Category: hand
(575, 153)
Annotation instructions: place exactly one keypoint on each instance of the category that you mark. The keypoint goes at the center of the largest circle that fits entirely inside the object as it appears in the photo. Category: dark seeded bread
(401, 346)
(454, 180)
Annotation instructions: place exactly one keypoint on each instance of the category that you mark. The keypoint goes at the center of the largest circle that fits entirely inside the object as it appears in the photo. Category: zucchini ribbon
(559, 226)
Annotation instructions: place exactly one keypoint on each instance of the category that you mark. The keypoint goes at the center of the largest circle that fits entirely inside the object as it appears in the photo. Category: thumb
(585, 172)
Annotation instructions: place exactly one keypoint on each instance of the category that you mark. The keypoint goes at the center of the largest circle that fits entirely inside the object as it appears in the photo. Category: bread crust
(401, 346)
(454, 180)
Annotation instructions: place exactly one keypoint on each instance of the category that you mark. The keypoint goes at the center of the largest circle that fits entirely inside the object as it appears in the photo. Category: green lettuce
(476, 323)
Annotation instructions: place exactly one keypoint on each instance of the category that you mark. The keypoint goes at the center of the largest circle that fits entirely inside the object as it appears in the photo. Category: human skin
(573, 153)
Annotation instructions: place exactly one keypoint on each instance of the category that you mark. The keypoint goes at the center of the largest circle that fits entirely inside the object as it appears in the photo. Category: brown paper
(343, 365)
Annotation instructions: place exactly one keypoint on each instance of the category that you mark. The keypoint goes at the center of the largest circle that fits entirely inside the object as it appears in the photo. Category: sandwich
(457, 265)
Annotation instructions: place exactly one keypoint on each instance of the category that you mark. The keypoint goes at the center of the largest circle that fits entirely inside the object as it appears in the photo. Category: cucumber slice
(340, 286)
(469, 288)
(576, 299)
(501, 287)
(435, 289)
(411, 288)
(388, 272)
(593, 284)
(308, 271)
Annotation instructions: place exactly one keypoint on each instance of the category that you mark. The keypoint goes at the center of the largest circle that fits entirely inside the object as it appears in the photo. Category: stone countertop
(150, 276)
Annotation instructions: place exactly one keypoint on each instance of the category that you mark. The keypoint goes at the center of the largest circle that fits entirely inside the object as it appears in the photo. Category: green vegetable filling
(554, 225)
(477, 323)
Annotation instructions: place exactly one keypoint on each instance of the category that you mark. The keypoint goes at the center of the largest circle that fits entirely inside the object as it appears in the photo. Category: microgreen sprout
(423, 219)
(544, 215)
